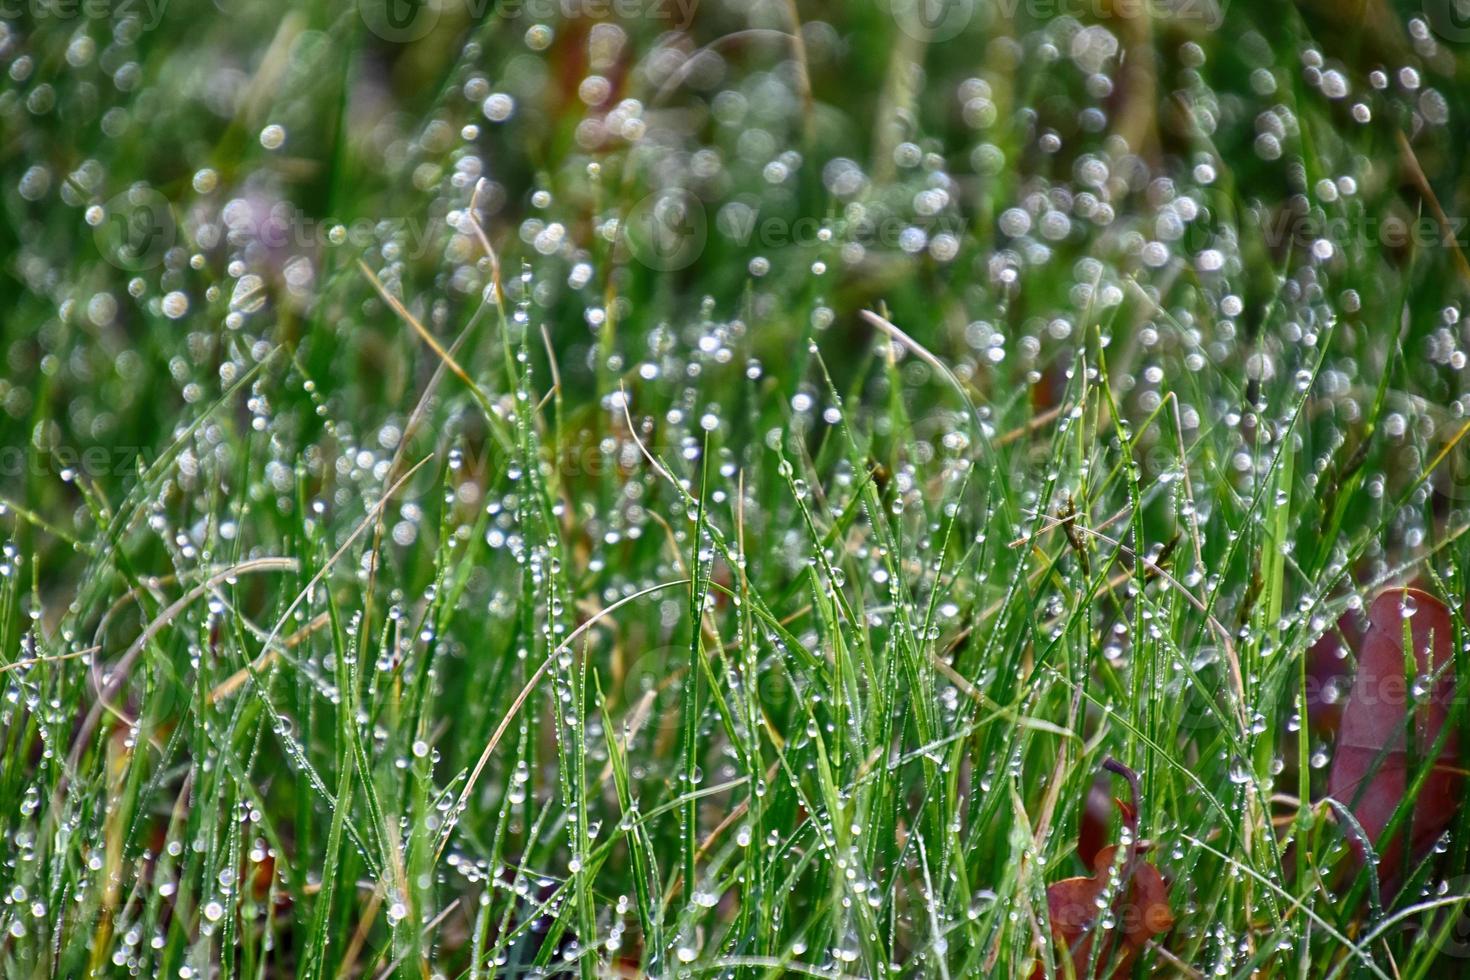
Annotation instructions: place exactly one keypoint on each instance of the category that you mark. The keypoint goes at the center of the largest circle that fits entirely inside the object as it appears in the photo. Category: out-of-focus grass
(459, 521)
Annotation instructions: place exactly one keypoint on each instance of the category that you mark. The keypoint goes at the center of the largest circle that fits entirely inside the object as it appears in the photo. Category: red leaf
(1370, 768)
(1139, 907)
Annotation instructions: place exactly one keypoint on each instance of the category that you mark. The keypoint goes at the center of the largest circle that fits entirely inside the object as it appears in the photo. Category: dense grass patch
(702, 488)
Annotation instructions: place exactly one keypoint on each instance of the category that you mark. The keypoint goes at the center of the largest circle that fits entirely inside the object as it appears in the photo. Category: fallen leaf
(1124, 889)
(1370, 769)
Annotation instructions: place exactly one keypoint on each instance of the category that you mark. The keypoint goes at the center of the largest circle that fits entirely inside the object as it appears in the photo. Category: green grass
(604, 596)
